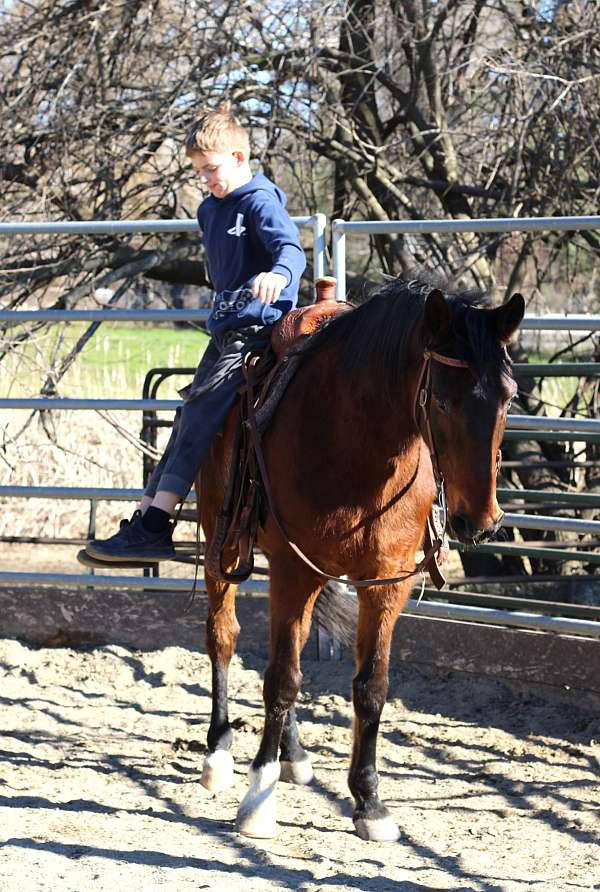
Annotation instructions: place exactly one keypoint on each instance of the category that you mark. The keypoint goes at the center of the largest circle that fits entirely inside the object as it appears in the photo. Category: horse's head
(467, 405)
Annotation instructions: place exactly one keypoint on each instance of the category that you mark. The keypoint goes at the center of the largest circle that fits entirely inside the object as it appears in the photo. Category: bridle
(422, 402)
(421, 405)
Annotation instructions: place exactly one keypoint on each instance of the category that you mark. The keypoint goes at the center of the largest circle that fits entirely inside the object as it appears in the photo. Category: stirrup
(240, 573)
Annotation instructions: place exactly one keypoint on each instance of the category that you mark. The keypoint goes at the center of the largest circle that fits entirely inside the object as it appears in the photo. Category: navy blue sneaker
(134, 542)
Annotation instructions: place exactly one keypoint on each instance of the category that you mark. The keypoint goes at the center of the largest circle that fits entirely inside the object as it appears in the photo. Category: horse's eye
(441, 404)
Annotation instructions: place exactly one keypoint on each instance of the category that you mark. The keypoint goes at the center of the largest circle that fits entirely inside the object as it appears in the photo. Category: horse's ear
(508, 317)
(438, 317)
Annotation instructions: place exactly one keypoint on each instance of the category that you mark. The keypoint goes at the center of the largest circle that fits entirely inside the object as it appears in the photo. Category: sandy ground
(102, 750)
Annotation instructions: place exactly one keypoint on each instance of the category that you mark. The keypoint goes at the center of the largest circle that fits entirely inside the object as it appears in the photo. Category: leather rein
(421, 405)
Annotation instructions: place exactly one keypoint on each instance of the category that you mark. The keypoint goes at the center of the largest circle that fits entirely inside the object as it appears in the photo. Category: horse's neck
(359, 453)
(359, 418)
(392, 423)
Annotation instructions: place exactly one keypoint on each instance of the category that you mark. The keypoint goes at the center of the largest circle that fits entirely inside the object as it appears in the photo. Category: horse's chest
(388, 522)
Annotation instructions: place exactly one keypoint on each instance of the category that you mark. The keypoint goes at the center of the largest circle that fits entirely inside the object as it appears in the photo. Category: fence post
(338, 250)
(91, 533)
(319, 245)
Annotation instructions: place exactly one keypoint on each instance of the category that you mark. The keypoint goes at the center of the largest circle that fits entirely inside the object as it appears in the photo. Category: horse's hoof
(256, 827)
(256, 815)
(217, 771)
(299, 772)
(382, 829)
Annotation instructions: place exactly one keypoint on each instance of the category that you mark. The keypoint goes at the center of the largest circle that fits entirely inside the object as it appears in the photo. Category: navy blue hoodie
(246, 233)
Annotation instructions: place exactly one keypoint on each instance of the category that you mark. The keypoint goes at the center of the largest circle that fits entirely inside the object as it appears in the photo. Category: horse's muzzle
(465, 530)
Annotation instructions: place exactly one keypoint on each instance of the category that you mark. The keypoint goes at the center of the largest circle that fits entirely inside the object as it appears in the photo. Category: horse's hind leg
(378, 610)
(222, 630)
(291, 609)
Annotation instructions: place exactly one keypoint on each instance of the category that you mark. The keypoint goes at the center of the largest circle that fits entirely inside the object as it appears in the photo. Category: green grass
(557, 392)
(112, 364)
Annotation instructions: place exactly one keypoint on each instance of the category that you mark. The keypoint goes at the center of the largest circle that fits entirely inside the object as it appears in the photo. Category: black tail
(336, 611)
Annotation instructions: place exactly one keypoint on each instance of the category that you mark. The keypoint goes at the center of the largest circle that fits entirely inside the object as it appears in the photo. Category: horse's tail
(336, 611)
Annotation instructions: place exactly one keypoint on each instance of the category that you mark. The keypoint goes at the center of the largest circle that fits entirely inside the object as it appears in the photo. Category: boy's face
(221, 172)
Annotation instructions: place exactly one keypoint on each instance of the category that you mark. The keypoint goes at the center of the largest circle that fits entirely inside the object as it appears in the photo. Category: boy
(255, 262)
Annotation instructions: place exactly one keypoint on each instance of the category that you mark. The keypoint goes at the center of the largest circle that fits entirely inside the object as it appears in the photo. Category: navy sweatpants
(209, 398)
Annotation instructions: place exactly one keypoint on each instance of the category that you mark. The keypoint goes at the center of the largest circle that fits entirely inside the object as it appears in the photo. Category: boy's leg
(154, 479)
(145, 503)
(199, 420)
(131, 529)
(150, 537)
(103, 549)
(204, 415)
(209, 358)
(165, 501)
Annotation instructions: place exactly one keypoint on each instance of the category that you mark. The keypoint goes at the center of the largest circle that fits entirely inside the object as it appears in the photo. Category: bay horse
(352, 480)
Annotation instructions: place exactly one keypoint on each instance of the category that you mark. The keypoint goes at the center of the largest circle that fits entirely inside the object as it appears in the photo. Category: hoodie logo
(238, 229)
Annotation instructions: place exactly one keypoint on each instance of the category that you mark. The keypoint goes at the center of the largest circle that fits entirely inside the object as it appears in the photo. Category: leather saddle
(299, 324)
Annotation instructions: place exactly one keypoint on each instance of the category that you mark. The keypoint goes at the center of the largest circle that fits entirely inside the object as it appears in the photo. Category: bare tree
(453, 109)
(384, 109)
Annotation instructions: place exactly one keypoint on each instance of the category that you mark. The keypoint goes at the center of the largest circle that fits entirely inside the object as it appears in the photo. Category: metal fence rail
(576, 499)
(429, 609)
(513, 422)
(550, 322)
(424, 227)
(525, 521)
(317, 222)
(93, 493)
(106, 494)
(20, 316)
(539, 522)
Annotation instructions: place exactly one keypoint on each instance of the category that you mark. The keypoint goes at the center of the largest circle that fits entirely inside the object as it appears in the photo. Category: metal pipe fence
(340, 228)
(107, 494)
(518, 426)
(317, 222)
(104, 494)
(430, 609)
(116, 315)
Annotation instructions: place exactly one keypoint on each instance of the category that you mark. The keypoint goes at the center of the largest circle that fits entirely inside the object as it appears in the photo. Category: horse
(393, 400)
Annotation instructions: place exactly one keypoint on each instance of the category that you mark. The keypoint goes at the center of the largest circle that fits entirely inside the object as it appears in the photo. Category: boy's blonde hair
(217, 131)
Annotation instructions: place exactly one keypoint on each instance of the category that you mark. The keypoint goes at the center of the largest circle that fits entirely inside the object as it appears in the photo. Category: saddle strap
(421, 567)
(281, 375)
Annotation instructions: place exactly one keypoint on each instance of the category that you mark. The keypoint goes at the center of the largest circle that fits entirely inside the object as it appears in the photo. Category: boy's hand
(268, 286)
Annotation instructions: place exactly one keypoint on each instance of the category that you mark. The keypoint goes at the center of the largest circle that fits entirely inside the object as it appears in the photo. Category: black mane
(383, 337)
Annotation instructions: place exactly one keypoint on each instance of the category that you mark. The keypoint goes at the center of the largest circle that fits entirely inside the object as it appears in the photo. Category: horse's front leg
(222, 630)
(293, 591)
(378, 611)
(294, 761)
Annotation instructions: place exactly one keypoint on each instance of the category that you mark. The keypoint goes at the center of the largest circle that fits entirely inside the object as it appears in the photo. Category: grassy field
(112, 364)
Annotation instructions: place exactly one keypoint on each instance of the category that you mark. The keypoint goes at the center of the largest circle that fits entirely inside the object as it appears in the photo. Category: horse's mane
(381, 338)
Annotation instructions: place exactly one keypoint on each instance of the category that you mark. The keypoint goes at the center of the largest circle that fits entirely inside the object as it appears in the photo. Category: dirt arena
(102, 749)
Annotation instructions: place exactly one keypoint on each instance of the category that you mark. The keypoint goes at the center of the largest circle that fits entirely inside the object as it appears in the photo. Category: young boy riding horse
(255, 263)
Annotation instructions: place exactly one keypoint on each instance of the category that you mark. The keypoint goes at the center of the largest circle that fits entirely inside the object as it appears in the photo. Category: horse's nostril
(460, 526)
(465, 530)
